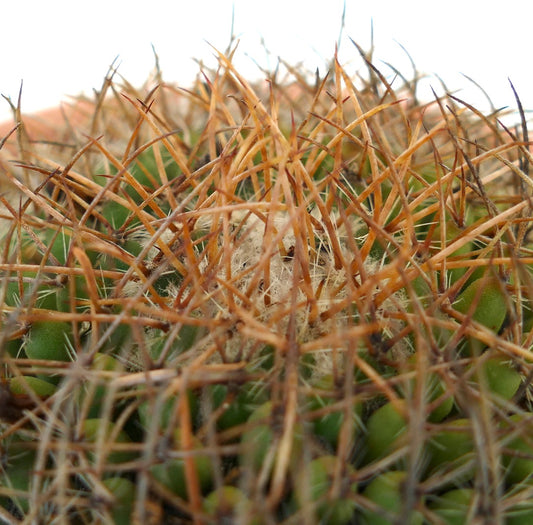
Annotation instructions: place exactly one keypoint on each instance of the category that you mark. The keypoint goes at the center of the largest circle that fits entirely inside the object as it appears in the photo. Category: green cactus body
(123, 490)
(317, 478)
(172, 473)
(49, 341)
(485, 301)
(328, 426)
(16, 475)
(452, 447)
(385, 431)
(517, 458)
(91, 431)
(262, 434)
(454, 506)
(229, 503)
(22, 384)
(500, 378)
(386, 492)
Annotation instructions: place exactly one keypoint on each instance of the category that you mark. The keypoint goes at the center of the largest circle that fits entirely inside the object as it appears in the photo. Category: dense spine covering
(286, 302)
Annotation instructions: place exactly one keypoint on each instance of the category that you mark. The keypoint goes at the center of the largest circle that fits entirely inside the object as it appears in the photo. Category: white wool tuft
(245, 285)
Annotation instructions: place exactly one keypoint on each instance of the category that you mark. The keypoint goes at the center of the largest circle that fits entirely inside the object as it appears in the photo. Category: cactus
(301, 301)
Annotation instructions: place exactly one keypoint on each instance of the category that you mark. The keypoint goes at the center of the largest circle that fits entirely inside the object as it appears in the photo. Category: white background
(64, 47)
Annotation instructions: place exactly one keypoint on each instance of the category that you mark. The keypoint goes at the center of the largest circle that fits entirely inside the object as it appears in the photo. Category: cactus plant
(205, 291)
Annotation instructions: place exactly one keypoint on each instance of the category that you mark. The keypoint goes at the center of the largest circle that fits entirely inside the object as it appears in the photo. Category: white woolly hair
(240, 273)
